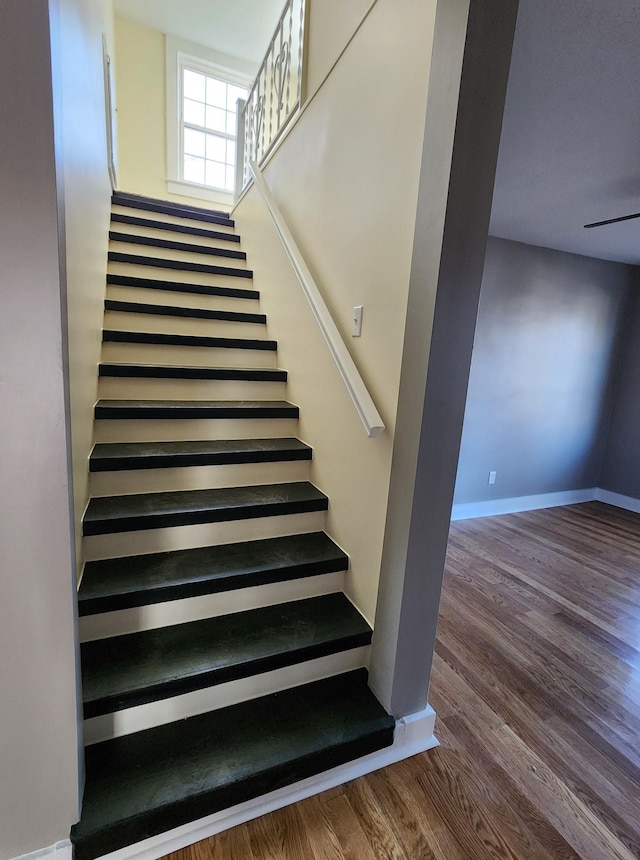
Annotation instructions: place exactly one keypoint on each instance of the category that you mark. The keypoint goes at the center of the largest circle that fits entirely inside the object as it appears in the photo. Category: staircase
(220, 657)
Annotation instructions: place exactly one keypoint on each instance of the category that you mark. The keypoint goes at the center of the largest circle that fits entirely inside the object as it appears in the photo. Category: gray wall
(621, 469)
(38, 728)
(543, 373)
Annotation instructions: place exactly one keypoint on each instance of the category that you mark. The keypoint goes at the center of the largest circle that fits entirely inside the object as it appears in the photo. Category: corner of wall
(347, 185)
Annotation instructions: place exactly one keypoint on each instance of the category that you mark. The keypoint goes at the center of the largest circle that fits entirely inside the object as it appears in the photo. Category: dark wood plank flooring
(536, 684)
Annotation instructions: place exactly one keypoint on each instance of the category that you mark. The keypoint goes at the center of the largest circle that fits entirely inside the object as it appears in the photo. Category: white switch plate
(356, 321)
(492, 477)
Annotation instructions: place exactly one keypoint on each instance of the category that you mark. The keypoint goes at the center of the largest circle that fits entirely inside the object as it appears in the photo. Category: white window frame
(179, 55)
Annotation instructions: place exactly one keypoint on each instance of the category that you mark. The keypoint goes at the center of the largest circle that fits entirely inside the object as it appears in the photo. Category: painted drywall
(142, 107)
(347, 184)
(454, 204)
(85, 189)
(541, 385)
(238, 27)
(38, 728)
(140, 96)
(330, 26)
(621, 467)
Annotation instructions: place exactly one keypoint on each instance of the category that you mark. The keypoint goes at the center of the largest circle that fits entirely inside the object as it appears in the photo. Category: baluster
(270, 92)
(290, 42)
(300, 49)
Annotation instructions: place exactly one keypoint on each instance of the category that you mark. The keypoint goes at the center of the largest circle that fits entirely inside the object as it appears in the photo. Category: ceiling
(570, 147)
(240, 28)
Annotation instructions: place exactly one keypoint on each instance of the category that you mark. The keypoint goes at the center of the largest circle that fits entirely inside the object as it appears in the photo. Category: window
(208, 129)
(202, 90)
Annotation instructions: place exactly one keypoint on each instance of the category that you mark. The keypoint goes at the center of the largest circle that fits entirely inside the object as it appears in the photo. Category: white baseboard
(59, 851)
(494, 507)
(413, 735)
(617, 499)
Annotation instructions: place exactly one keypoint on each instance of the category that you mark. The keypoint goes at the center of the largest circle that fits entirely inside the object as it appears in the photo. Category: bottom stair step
(150, 782)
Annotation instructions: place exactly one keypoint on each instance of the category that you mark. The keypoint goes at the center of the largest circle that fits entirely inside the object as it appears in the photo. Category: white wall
(38, 731)
(346, 178)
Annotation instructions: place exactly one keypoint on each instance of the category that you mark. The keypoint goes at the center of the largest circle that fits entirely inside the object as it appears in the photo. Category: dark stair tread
(195, 409)
(115, 336)
(191, 313)
(116, 456)
(180, 287)
(180, 210)
(138, 668)
(152, 781)
(121, 583)
(174, 245)
(109, 514)
(172, 371)
(179, 265)
(152, 223)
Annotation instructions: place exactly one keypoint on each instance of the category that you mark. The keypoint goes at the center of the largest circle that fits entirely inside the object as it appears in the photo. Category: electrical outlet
(492, 477)
(356, 326)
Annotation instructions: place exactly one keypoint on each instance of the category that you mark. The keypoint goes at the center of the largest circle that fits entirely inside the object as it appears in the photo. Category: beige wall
(347, 183)
(38, 728)
(86, 202)
(142, 124)
(140, 88)
(330, 26)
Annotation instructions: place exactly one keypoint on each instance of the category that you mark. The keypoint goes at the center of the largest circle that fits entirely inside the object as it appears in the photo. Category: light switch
(356, 324)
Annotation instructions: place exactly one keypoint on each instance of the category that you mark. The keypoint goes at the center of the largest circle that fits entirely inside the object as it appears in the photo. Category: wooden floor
(536, 684)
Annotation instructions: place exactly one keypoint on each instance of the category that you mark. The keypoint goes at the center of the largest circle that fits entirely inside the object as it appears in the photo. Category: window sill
(201, 192)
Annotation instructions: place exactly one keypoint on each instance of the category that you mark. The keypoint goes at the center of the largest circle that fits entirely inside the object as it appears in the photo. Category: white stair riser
(161, 273)
(179, 256)
(169, 430)
(124, 321)
(191, 356)
(174, 298)
(136, 388)
(177, 236)
(186, 705)
(171, 219)
(204, 534)
(155, 615)
(196, 477)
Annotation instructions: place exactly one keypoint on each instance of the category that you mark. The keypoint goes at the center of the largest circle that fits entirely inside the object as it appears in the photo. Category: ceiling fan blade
(613, 220)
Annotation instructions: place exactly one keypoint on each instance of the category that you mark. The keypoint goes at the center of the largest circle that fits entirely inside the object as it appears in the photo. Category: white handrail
(365, 407)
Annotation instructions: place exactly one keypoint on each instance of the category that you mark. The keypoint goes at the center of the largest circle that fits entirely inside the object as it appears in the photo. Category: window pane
(215, 174)
(231, 178)
(215, 119)
(231, 152)
(194, 169)
(216, 93)
(194, 85)
(194, 142)
(216, 147)
(193, 112)
(231, 123)
(233, 94)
